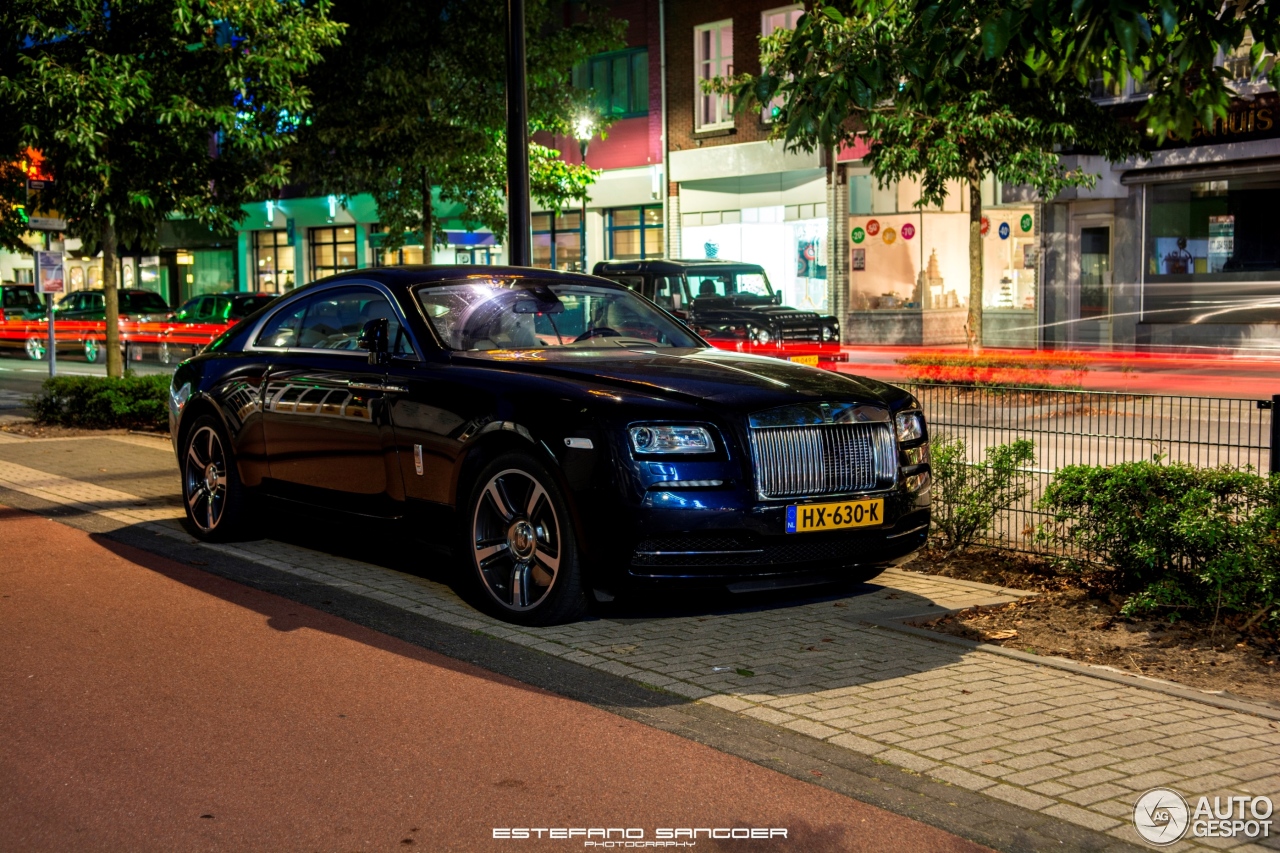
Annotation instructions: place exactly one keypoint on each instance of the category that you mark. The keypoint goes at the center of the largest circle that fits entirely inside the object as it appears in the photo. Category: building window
(557, 241)
(619, 82)
(713, 57)
(333, 250)
(273, 261)
(635, 233)
(770, 22)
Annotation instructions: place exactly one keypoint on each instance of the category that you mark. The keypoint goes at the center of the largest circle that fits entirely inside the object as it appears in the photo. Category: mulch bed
(32, 430)
(1075, 616)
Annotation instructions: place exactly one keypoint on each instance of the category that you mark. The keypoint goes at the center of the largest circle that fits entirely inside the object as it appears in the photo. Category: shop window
(273, 261)
(333, 250)
(618, 81)
(634, 233)
(1212, 251)
(771, 22)
(713, 57)
(557, 241)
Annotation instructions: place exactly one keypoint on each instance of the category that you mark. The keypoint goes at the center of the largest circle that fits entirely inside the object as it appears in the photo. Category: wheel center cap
(522, 539)
(210, 477)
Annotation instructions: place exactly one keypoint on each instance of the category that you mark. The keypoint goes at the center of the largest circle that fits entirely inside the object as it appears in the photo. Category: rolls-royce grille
(822, 459)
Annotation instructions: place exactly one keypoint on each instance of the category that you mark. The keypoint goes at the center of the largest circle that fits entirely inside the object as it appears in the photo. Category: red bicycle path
(148, 705)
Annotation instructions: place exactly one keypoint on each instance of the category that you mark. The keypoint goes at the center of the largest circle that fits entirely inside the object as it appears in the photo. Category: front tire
(212, 494)
(91, 350)
(35, 348)
(519, 545)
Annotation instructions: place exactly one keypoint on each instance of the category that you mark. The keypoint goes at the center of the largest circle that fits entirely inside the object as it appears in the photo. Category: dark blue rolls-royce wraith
(569, 437)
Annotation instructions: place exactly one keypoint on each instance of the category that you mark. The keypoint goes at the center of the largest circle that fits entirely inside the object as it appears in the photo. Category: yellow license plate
(807, 518)
(811, 360)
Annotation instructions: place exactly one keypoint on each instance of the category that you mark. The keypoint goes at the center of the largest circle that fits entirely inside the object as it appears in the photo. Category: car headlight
(828, 334)
(178, 397)
(910, 426)
(663, 438)
(761, 336)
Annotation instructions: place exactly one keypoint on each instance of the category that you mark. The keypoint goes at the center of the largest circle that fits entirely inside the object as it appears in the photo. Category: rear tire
(215, 500)
(519, 546)
(91, 350)
(35, 348)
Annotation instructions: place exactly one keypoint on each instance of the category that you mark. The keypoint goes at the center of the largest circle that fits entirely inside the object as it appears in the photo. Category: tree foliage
(153, 108)
(413, 102)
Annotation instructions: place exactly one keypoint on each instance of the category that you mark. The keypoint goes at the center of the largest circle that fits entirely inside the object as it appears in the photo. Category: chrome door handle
(365, 386)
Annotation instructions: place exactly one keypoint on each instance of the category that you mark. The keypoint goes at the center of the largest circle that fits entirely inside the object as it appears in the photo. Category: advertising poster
(49, 272)
(859, 259)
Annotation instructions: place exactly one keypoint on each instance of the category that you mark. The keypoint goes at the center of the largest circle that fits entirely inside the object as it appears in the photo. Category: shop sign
(859, 259)
(890, 235)
(908, 231)
(49, 272)
(1026, 222)
(986, 226)
(873, 227)
(1004, 230)
(47, 223)
(857, 235)
(185, 259)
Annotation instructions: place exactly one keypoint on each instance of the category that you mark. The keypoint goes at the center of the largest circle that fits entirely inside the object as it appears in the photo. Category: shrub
(1176, 538)
(996, 369)
(968, 497)
(93, 402)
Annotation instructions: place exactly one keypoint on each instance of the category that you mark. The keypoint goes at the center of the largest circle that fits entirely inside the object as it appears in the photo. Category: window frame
(766, 111)
(335, 243)
(724, 107)
(276, 247)
(610, 229)
(582, 237)
(582, 81)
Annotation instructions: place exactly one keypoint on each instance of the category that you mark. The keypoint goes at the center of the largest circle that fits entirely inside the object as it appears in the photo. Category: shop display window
(273, 261)
(1212, 251)
(333, 250)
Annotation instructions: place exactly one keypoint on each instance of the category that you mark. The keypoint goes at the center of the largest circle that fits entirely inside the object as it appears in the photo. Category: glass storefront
(273, 261)
(557, 241)
(333, 250)
(1212, 251)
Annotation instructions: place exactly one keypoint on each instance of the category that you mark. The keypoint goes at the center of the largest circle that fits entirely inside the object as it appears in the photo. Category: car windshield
(496, 314)
(751, 285)
(133, 303)
(21, 297)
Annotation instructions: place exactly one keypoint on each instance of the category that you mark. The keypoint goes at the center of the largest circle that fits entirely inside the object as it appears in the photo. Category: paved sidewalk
(1064, 744)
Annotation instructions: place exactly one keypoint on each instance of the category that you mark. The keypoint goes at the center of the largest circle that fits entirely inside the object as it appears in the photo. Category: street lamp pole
(519, 226)
(584, 128)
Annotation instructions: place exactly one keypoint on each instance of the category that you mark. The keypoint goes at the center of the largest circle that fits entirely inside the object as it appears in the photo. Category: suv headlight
(910, 426)
(760, 336)
(664, 438)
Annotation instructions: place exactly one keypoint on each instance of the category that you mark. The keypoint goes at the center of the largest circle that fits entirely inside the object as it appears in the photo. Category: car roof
(419, 274)
(709, 266)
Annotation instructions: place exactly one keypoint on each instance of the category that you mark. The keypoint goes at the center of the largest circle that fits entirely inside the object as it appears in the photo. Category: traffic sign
(47, 223)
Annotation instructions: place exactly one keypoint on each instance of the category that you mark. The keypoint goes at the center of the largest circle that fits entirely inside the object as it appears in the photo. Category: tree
(155, 108)
(929, 105)
(412, 103)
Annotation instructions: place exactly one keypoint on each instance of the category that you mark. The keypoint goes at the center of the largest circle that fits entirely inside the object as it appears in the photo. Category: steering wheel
(597, 332)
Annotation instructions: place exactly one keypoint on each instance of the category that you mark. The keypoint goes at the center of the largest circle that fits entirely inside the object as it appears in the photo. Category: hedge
(997, 369)
(93, 402)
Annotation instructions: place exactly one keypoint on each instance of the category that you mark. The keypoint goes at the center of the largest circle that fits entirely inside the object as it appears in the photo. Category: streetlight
(583, 129)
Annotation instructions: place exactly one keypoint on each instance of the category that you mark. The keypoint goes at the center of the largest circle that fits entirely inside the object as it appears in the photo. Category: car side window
(332, 320)
(666, 292)
(281, 329)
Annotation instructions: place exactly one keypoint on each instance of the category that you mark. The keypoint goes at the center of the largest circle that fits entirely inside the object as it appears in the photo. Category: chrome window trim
(307, 293)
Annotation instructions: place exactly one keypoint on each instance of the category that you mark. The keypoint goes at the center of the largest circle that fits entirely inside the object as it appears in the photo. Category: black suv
(723, 299)
(20, 302)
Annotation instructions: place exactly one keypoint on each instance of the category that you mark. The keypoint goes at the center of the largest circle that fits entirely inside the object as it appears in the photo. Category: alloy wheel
(166, 356)
(91, 350)
(517, 538)
(205, 478)
(35, 348)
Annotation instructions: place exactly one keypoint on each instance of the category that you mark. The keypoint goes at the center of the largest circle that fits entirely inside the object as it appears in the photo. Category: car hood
(783, 315)
(733, 380)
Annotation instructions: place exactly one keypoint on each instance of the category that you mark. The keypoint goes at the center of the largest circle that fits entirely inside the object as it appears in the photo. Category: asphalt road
(148, 705)
(20, 377)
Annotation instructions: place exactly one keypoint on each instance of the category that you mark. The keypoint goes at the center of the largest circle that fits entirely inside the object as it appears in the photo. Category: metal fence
(1096, 428)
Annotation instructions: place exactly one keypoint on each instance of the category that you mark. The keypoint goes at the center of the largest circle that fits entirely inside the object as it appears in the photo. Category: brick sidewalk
(1076, 747)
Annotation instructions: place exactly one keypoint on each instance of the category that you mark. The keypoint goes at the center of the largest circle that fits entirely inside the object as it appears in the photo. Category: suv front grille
(822, 459)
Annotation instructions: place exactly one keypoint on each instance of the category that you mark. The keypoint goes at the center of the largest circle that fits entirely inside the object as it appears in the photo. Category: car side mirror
(373, 340)
(777, 297)
(677, 299)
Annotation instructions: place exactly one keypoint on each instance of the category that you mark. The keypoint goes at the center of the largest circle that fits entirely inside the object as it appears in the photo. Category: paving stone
(1019, 796)
(1081, 817)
